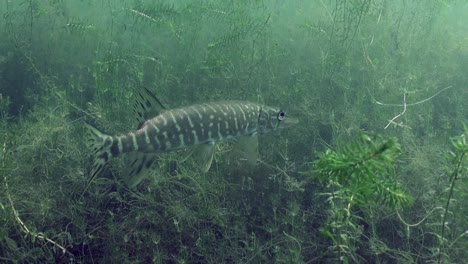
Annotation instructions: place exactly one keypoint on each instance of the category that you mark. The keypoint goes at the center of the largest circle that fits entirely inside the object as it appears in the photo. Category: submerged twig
(418, 102)
(405, 105)
(23, 226)
(400, 114)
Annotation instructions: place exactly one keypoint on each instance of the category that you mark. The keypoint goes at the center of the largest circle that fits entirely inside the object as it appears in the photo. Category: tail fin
(100, 144)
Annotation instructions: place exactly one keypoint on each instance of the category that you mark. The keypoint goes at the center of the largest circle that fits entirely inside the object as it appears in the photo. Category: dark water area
(233, 131)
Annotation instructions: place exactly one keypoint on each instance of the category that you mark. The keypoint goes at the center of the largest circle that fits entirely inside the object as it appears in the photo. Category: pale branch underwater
(199, 126)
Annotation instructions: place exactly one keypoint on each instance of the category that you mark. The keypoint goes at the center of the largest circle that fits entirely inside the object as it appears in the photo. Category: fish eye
(281, 115)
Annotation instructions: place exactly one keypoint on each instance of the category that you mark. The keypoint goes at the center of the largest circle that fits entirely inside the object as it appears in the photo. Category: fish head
(272, 119)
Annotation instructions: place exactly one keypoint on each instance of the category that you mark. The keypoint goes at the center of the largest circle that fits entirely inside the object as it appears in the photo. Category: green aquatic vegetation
(75, 27)
(361, 181)
(457, 172)
(365, 170)
(34, 167)
(341, 67)
(155, 12)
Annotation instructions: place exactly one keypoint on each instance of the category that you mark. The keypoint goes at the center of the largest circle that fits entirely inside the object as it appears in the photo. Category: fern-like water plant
(365, 170)
(361, 178)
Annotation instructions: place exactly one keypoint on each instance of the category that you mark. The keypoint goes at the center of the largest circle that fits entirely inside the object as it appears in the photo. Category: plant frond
(366, 168)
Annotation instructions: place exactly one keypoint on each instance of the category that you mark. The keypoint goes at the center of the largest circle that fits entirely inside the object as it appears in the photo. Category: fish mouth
(290, 121)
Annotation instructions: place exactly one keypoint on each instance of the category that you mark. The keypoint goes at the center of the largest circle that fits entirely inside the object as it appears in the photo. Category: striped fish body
(184, 127)
(199, 125)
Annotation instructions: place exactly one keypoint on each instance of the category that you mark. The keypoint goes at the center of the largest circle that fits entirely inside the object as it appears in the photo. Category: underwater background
(374, 172)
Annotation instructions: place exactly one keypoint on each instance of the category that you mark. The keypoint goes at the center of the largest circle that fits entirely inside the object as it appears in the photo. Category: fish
(198, 126)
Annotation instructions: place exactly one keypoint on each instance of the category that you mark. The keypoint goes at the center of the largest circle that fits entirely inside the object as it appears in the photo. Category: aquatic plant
(456, 171)
(361, 181)
(344, 68)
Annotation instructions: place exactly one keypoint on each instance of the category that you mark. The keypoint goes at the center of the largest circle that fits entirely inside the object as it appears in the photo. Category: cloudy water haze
(247, 131)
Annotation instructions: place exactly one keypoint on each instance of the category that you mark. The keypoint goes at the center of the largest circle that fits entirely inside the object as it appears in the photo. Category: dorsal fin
(146, 105)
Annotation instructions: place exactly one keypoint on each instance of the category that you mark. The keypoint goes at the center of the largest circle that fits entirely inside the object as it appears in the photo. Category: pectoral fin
(247, 147)
(203, 155)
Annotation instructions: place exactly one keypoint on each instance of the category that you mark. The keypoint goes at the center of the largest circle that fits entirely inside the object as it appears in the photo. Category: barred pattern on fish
(173, 129)
(198, 124)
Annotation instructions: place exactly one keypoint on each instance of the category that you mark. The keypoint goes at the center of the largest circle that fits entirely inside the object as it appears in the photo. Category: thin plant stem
(453, 177)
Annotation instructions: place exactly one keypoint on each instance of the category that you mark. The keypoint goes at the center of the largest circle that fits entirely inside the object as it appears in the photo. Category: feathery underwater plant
(361, 178)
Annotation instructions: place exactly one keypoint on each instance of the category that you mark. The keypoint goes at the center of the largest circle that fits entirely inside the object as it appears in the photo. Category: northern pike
(201, 125)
